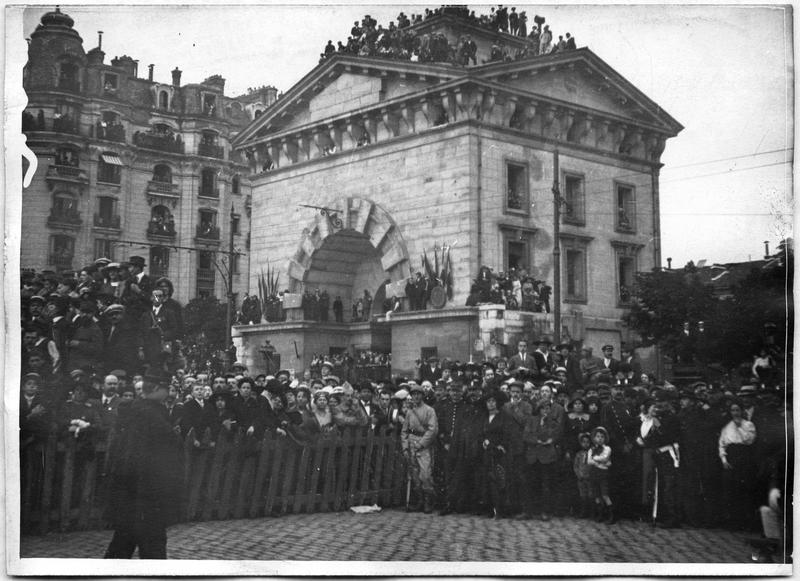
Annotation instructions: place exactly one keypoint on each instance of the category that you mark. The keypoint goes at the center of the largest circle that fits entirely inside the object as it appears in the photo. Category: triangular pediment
(345, 84)
(581, 78)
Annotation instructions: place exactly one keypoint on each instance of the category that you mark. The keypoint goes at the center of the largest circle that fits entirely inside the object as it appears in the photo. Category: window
(208, 183)
(573, 199)
(207, 228)
(103, 248)
(65, 205)
(109, 169)
(67, 156)
(106, 216)
(159, 261)
(627, 256)
(235, 223)
(68, 77)
(62, 250)
(209, 105)
(235, 185)
(110, 82)
(626, 209)
(235, 264)
(517, 245)
(162, 173)
(574, 281)
(162, 223)
(163, 100)
(208, 138)
(205, 274)
(516, 188)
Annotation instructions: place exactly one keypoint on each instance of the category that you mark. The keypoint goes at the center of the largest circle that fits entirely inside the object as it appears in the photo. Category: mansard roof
(609, 90)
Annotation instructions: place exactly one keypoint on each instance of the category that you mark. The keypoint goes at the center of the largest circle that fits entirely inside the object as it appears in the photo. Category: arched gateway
(359, 247)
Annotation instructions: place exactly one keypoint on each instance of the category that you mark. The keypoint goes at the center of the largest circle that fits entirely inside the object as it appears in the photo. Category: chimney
(100, 39)
(766, 249)
(135, 68)
(669, 264)
(269, 96)
(150, 72)
(176, 77)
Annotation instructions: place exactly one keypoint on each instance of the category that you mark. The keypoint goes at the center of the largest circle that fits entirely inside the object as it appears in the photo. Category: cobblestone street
(396, 536)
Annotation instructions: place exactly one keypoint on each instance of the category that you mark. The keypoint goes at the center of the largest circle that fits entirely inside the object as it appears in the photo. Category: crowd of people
(398, 41)
(517, 290)
(543, 433)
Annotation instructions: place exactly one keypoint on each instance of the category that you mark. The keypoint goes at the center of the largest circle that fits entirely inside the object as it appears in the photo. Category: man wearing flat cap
(146, 477)
(124, 346)
(430, 371)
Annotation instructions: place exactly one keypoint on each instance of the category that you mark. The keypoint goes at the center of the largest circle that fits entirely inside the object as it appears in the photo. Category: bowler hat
(137, 261)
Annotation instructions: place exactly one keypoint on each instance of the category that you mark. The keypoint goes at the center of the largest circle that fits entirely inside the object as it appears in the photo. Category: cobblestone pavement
(394, 535)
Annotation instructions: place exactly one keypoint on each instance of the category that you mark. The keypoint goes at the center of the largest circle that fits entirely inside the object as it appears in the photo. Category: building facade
(407, 157)
(132, 166)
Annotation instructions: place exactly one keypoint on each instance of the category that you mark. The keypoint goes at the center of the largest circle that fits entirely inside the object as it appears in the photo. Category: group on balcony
(67, 157)
(64, 123)
(161, 137)
(111, 130)
(162, 222)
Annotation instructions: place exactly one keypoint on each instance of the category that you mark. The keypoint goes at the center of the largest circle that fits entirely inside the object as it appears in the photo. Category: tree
(665, 301)
(205, 316)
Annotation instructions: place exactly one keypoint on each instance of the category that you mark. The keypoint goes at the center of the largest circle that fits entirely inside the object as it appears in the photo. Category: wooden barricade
(63, 488)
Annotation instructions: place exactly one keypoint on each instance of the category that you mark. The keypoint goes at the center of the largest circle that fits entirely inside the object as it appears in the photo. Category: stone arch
(361, 226)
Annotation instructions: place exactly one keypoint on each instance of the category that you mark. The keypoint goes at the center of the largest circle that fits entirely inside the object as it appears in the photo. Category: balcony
(111, 222)
(206, 192)
(211, 150)
(61, 261)
(166, 188)
(167, 143)
(208, 233)
(65, 125)
(64, 219)
(158, 230)
(67, 173)
(206, 276)
(110, 132)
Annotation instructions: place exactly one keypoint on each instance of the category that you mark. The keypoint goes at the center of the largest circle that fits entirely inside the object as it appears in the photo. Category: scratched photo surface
(315, 290)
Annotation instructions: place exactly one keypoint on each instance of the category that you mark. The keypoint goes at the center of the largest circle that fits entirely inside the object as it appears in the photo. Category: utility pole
(556, 252)
(230, 283)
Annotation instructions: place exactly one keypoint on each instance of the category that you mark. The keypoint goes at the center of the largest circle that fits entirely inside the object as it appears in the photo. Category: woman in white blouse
(737, 453)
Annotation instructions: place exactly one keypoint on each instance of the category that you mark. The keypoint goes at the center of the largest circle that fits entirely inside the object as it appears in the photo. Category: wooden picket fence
(63, 488)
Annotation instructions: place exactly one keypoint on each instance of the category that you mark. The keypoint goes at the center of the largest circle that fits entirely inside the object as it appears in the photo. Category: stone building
(132, 166)
(407, 157)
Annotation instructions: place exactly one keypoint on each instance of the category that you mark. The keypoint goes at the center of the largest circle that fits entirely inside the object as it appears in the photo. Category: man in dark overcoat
(146, 483)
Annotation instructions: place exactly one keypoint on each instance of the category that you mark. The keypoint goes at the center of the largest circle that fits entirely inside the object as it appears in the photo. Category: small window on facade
(235, 223)
(235, 264)
(110, 82)
(162, 173)
(163, 100)
(573, 211)
(516, 187)
(235, 185)
(62, 251)
(106, 213)
(625, 273)
(517, 253)
(208, 183)
(65, 205)
(626, 209)
(109, 168)
(103, 248)
(205, 260)
(576, 275)
(208, 225)
(209, 105)
(67, 156)
(68, 77)
(159, 261)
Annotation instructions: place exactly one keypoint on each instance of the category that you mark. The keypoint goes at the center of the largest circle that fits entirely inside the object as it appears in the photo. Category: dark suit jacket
(428, 374)
(516, 361)
(122, 348)
(193, 417)
(613, 365)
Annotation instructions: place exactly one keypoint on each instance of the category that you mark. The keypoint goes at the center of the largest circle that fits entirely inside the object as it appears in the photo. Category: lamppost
(229, 283)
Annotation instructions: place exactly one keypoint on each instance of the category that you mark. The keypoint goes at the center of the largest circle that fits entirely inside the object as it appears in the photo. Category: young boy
(599, 459)
(580, 466)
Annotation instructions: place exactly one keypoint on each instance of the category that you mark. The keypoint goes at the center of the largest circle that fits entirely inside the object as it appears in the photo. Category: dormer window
(209, 104)
(110, 82)
(163, 100)
(68, 77)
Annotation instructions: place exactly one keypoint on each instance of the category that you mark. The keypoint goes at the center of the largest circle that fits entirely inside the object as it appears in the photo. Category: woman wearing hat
(737, 453)
(498, 432)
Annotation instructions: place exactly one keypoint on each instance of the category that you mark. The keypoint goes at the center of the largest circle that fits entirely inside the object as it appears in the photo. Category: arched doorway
(358, 249)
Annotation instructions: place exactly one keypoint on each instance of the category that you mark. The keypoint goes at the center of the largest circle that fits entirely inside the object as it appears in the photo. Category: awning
(112, 159)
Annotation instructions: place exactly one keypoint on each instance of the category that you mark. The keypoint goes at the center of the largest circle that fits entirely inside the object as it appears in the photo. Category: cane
(655, 499)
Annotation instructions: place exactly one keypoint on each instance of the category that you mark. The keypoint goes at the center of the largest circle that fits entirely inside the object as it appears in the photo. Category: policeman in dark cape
(146, 476)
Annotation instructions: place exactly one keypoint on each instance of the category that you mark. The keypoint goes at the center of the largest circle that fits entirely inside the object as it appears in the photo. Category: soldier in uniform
(418, 437)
